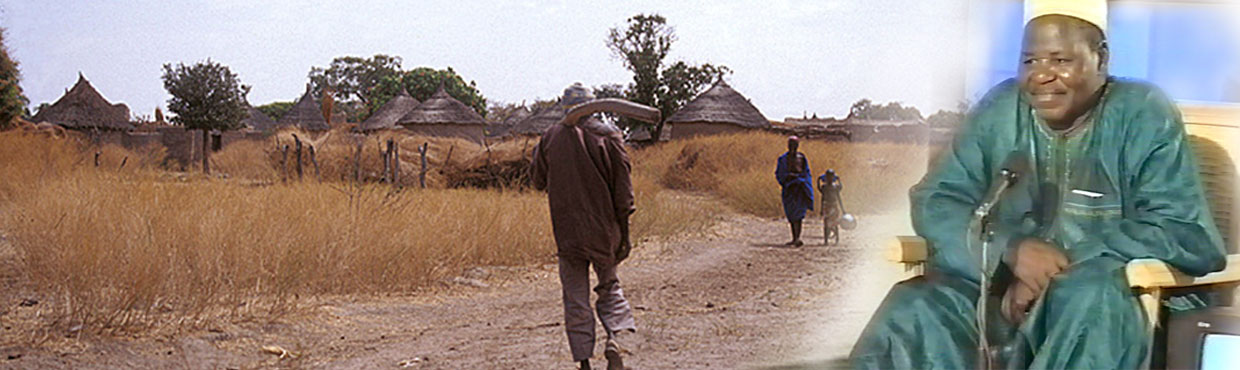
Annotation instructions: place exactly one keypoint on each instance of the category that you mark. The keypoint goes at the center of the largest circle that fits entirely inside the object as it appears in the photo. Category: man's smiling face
(1063, 67)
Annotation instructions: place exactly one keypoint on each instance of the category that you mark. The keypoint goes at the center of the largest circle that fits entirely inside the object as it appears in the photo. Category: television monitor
(1206, 339)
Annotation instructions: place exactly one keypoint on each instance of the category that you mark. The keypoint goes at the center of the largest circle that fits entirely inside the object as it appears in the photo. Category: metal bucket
(848, 222)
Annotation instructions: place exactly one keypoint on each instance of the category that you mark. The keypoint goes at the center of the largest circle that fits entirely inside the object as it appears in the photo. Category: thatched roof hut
(538, 122)
(83, 108)
(718, 110)
(305, 114)
(390, 113)
(442, 115)
(257, 120)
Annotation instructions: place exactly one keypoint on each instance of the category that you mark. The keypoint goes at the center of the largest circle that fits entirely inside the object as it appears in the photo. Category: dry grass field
(115, 248)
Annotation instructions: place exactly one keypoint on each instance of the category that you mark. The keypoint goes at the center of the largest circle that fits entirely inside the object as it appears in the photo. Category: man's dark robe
(589, 191)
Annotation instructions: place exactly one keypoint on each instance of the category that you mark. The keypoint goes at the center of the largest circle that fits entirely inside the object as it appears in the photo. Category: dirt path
(732, 298)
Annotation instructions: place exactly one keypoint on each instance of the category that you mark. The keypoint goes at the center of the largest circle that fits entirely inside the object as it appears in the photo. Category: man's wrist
(1013, 243)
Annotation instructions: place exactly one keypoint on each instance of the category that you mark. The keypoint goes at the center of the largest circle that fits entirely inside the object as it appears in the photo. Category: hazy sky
(789, 57)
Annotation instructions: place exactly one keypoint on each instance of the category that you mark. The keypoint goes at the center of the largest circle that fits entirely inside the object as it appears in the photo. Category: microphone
(1016, 165)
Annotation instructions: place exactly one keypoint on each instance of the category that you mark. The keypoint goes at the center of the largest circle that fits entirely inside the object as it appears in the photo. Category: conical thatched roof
(538, 122)
(442, 109)
(306, 114)
(721, 104)
(257, 120)
(391, 112)
(84, 108)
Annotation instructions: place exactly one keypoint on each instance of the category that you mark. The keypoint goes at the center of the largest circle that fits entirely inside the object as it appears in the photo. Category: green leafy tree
(12, 101)
(643, 45)
(275, 109)
(362, 85)
(422, 82)
(353, 79)
(205, 96)
(609, 91)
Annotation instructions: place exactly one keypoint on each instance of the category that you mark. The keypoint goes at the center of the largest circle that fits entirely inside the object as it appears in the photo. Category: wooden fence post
(284, 163)
(422, 175)
(315, 161)
(297, 151)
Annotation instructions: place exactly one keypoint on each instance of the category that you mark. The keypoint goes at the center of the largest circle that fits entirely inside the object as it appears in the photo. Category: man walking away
(584, 168)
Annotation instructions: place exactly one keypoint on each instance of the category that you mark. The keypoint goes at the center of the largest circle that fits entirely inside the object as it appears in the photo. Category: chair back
(1214, 134)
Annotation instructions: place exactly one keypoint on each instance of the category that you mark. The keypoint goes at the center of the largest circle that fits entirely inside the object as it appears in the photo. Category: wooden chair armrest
(1142, 273)
(907, 249)
(1151, 273)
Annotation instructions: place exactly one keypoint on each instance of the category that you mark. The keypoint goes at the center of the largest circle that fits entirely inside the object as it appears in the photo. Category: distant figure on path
(792, 172)
(829, 186)
(584, 168)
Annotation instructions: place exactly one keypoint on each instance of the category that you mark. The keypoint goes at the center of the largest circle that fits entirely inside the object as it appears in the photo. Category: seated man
(1111, 179)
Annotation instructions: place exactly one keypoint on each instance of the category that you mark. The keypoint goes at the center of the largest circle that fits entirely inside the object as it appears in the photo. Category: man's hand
(622, 252)
(1016, 302)
(1035, 262)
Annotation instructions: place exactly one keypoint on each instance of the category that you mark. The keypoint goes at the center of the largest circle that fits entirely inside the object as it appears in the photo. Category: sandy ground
(733, 297)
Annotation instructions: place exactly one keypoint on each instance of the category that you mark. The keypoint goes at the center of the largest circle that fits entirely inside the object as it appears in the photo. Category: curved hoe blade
(611, 105)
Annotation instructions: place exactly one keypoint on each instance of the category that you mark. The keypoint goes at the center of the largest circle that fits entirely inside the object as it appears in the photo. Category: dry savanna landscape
(103, 262)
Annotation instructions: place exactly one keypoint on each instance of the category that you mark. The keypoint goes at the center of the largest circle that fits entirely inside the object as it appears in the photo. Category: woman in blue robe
(793, 173)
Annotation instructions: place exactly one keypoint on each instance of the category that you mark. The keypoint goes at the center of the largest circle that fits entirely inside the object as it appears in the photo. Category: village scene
(386, 218)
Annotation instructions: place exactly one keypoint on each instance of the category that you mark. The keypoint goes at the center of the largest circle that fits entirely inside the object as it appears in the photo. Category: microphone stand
(980, 231)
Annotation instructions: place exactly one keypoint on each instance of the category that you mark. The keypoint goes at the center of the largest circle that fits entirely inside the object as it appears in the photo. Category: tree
(609, 91)
(353, 79)
(205, 96)
(422, 82)
(276, 109)
(362, 85)
(12, 101)
(642, 46)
